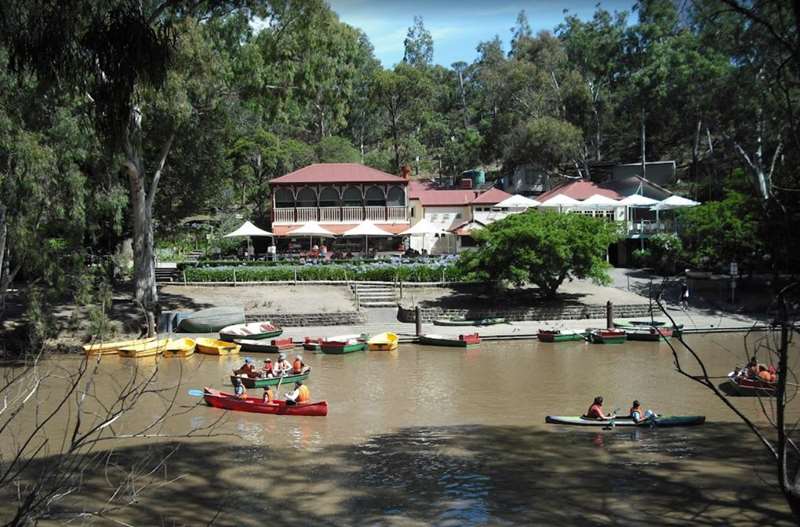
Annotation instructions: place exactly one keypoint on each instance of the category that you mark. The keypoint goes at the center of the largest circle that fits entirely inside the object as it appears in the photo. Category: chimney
(405, 172)
(465, 183)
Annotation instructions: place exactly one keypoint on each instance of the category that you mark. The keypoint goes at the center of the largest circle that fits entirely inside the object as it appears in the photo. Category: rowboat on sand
(660, 421)
(144, 349)
(263, 382)
(467, 322)
(216, 347)
(383, 342)
(560, 335)
(180, 348)
(251, 331)
(344, 344)
(265, 346)
(462, 341)
(211, 320)
(228, 401)
(606, 336)
(112, 348)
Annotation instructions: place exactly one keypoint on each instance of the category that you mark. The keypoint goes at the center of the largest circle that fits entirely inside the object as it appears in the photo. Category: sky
(457, 26)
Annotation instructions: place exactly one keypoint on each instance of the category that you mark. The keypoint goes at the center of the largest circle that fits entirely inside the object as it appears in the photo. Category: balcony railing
(650, 227)
(289, 215)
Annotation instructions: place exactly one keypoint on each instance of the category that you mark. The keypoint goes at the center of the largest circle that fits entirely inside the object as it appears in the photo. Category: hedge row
(264, 263)
(382, 273)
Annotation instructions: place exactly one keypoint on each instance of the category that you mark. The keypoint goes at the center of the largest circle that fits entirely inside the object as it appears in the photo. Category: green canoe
(286, 380)
(465, 322)
(660, 421)
(344, 344)
(211, 320)
(564, 335)
(461, 341)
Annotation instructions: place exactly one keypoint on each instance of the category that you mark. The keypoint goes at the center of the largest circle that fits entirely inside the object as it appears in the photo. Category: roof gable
(337, 173)
(491, 197)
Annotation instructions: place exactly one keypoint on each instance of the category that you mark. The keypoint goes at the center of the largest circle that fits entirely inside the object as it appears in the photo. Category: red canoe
(228, 401)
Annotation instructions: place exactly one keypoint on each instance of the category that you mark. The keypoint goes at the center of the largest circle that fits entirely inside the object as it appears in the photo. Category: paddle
(195, 393)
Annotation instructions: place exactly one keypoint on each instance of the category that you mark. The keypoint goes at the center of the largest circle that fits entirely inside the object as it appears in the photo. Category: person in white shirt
(282, 367)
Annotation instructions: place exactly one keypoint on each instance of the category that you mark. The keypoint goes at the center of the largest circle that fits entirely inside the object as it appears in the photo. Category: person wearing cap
(267, 371)
(297, 366)
(238, 388)
(248, 368)
(301, 394)
(283, 367)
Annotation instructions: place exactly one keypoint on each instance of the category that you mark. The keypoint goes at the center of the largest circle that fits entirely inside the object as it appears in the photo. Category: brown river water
(441, 436)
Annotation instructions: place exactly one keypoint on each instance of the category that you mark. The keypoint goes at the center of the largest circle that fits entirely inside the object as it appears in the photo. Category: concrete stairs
(374, 295)
(166, 272)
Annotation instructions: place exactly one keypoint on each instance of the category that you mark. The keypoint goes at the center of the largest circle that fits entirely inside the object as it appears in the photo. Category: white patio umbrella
(247, 230)
(517, 201)
(311, 229)
(637, 200)
(598, 200)
(561, 201)
(366, 229)
(423, 227)
(675, 202)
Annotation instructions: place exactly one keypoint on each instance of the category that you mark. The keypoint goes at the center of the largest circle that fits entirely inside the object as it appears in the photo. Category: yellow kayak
(144, 349)
(112, 348)
(216, 347)
(383, 342)
(179, 348)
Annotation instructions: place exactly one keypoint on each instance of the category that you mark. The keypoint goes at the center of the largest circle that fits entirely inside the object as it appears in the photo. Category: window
(375, 197)
(352, 197)
(396, 197)
(284, 198)
(328, 197)
(306, 198)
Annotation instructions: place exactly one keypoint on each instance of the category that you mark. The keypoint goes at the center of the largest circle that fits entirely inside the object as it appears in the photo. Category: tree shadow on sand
(465, 475)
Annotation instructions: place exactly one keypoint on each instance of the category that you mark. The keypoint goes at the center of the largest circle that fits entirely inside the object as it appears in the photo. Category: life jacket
(595, 411)
(268, 369)
(297, 366)
(303, 394)
(269, 395)
(638, 410)
(240, 392)
(247, 369)
(765, 376)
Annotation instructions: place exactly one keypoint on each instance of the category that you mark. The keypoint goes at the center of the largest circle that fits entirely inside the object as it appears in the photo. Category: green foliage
(542, 248)
(719, 232)
(418, 45)
(335, 149)
(663, 254)
(337, 272)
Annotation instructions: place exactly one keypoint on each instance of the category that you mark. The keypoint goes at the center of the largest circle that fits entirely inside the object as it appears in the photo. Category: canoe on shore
(660, 421)
(144, 349)
(265, 346)
(286, 380)
(228, 401)
(208, 346)
(467, 322)
(560, 335)
(112, 348)
(211, 320)
(607, 336)
(344, 344)
(251, 331)
(740, 385)
(180, 348)
(462, 341)
(383, 342)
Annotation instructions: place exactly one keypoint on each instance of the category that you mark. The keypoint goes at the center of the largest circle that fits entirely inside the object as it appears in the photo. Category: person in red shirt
(596, 410)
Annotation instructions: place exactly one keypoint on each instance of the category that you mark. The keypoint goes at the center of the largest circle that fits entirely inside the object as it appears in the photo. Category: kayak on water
(660, 421)
(228, 401)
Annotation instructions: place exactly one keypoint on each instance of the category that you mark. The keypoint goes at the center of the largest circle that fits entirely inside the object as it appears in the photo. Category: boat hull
(147, 349)
(383, 342)
(262, 346)
(216, 347)
(605, 336)
(339, 348)
(560, 336)
(662, 421)
(464, 322)
(227, 401)
(251, 331)
(286, 380)
(112, 348)
(463, 341)
(180, 348)
(748, 387)
(211, 320)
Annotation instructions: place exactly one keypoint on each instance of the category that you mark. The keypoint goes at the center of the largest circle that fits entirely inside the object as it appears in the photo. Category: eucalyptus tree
(418, 45)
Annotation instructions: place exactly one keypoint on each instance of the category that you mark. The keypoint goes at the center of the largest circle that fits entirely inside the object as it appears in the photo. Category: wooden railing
(377, 214)
(330, 214)
(286, 215)
(352, 214)
(395, 214)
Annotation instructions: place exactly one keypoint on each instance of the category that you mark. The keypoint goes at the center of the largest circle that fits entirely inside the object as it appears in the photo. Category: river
(440, 436)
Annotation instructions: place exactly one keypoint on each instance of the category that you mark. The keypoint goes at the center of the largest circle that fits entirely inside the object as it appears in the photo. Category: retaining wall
(429, 314)
(346, 318)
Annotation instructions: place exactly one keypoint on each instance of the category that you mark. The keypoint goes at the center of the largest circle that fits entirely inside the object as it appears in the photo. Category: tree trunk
(3, 262)
(643, 137)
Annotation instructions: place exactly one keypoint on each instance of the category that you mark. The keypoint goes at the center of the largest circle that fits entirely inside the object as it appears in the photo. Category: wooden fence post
(609, 315)
(418, 320)
(234, 278)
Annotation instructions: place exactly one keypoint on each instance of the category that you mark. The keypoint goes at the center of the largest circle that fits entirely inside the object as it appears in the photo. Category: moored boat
(660, 421)
(216, 347)
(251, 331)
(180, 348)
(344, 344)
(560, 335)
(263, 382)
(312, 343)
(607, 336)
(664, 328)
(648, 334)
(265, 346)
(383, 342)
(112, 348)
(467, 322)
(228, 401)
(462, 341)
(144, 349)
(211, 320)
(743, 385)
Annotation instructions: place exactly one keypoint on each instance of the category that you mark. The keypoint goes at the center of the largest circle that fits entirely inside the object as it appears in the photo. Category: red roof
(337, 173)
(338, 228)
(433, 197)
(579, 190)
(492, 196)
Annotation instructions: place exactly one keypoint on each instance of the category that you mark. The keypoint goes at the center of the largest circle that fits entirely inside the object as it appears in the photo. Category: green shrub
(335, 272)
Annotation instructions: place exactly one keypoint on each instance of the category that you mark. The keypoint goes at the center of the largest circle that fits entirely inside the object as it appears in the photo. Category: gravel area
(297, 299)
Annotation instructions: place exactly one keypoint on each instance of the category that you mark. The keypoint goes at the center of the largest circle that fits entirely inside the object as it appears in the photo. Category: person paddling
(283, 367)
(238, 388)
(301, 394)
(248, 368)
(267, 371)
(638, 415)
(298, 366)
(596, 410)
